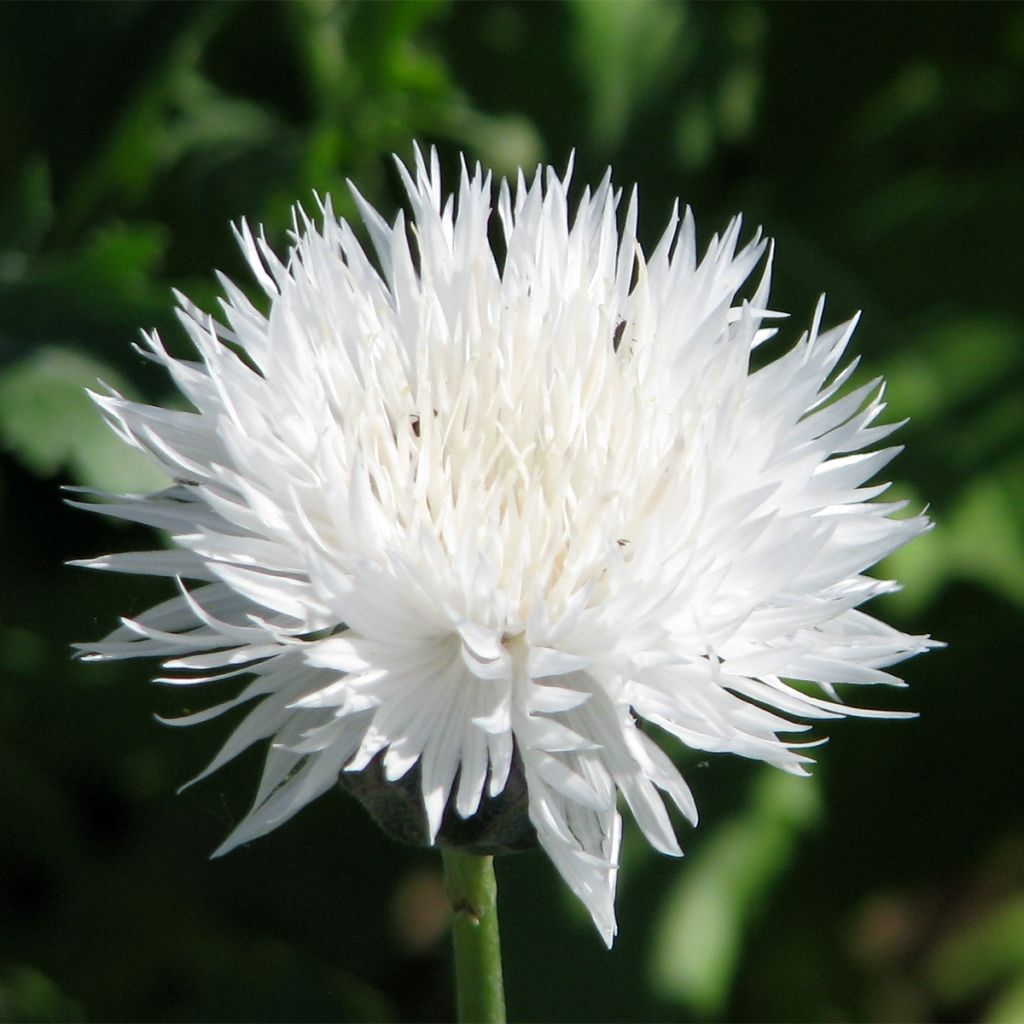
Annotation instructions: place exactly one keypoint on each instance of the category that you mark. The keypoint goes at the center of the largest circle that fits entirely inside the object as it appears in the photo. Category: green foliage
(879, 145)
(29, 996)
(48, 421)
(624, 50)
(988, 952)
(698, 936)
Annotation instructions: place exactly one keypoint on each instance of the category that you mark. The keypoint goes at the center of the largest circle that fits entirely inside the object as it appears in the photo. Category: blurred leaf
(206, 118)
(694, 134)
(982, 955)
(28, 995)
(124, 255)
(912, 93)
(699, 934)
(124, 168)
(963, 371)
(979, 538)
(922, 567)
(504, 144)
(1009, 1007)
(99, 294)
(986, 533)
(50, 423)
(737, 100)
(953, 362)
(26, 212)
(623, 50)
(373, 84)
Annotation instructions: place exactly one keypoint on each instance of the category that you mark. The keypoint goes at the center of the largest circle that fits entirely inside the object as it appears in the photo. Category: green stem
(472, 895)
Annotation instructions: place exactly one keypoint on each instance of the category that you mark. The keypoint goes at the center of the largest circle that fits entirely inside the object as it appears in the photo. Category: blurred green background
(881, 145)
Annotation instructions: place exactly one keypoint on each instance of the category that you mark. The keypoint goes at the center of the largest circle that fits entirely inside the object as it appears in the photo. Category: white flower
(453, 508)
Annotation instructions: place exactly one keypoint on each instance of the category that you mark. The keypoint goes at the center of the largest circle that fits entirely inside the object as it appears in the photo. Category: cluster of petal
(449, 508)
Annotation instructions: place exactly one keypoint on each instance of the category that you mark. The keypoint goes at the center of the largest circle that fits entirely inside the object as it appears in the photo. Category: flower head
(470, 513)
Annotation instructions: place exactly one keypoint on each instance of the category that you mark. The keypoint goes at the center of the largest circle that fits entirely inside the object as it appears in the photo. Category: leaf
(964, 397)
(953, 364)
(126, 164)
(623, 51)
(27, 210)
(979, 537)
(1009, 1007)
(29, 995)
(985, 954)
(99, 294)
(50, 423)
(698, 937)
